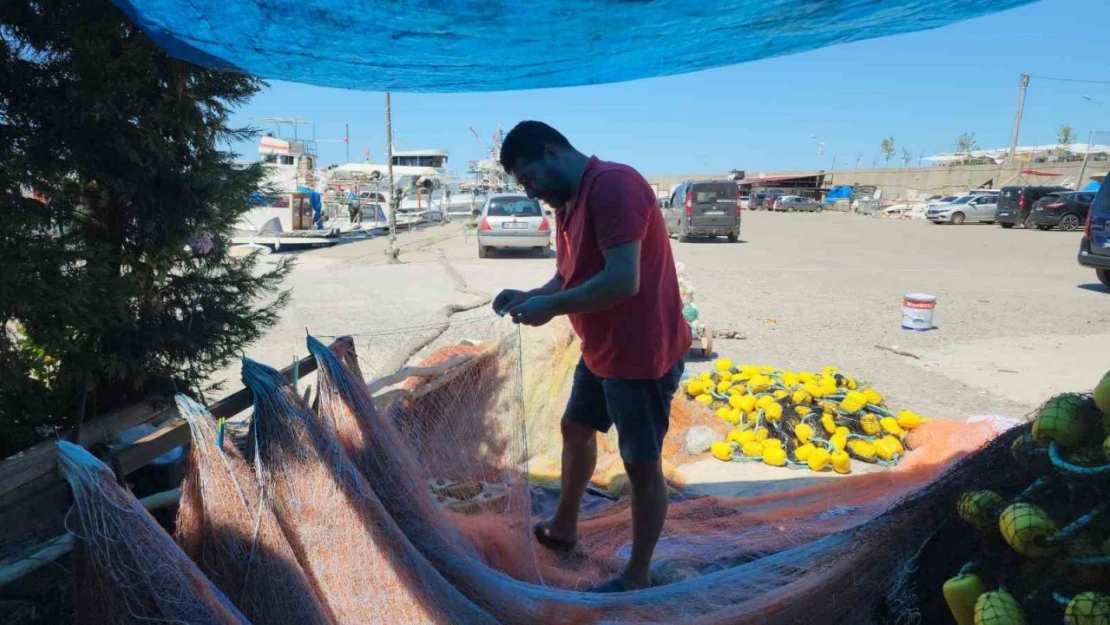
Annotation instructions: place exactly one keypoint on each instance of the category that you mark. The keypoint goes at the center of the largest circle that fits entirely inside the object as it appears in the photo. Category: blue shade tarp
(1092, 186)
(494, 45)
(843, 192)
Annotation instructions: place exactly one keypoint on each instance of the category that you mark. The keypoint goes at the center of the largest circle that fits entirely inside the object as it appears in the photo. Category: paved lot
(1017, 318)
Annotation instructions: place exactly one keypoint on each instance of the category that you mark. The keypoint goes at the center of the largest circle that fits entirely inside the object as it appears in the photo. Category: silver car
(513, 221)
(964, 209)
(791, 203)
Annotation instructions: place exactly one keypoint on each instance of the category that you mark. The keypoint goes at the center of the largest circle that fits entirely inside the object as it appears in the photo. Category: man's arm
(553, 286)
(618, 281)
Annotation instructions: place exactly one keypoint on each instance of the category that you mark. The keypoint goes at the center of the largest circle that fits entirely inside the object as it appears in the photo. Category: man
(616, 282)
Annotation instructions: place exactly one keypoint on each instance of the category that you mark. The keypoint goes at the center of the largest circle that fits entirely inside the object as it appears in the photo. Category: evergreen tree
(116, 208)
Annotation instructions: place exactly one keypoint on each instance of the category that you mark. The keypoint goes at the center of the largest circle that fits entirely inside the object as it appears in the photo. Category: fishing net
(407, 486)
(339, 531)
(225, 525)
(719, 558)
(129, 570)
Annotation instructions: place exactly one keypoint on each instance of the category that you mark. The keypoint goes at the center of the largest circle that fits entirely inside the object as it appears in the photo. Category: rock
(699, 438)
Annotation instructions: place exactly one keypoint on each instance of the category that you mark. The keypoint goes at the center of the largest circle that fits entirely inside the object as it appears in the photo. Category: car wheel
(682, 236)
(790, 209)
(957, 218)
(1103, 276)
(1007, 226)
(541, 251)
(733, 237)
(1069, 222)
(483, 251)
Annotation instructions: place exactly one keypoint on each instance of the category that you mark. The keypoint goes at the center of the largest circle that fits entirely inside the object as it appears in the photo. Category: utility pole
(1083, 167)
(1017, 117)
(394, 202)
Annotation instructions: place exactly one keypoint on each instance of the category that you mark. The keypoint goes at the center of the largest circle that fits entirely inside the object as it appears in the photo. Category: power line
(1082, 80)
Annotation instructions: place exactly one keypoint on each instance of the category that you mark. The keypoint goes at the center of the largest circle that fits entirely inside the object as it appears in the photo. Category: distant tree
(887, 148)
(907, 156)
(965, 143)
(1065, 138)
(859, 157)
(118, 207)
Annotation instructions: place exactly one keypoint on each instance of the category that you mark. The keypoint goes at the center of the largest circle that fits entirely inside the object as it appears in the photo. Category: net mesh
(225, 525)
(129, 570)
(406, 487)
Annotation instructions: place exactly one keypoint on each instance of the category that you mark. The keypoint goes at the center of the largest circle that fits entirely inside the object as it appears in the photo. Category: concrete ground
(1017, 319)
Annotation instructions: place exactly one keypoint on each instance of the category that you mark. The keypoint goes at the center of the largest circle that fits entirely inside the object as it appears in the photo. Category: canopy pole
(392, 253)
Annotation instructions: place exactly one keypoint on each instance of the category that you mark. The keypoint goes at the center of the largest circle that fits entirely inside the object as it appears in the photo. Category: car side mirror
(476, 212)
(549, 212)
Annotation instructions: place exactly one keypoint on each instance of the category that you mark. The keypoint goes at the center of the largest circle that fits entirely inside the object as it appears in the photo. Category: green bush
(116, 208)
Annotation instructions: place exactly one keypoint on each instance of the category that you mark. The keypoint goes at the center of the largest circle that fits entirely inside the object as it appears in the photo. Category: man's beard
(560, 193)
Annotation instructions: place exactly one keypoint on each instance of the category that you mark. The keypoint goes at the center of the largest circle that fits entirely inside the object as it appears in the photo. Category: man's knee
(644, 473)
(578, 435)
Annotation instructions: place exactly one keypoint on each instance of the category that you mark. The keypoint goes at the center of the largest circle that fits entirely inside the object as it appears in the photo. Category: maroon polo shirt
(645, 335)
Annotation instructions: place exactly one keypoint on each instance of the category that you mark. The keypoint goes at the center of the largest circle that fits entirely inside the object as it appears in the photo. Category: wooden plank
(58, 547)
(33, 495)
(240, 400)
(31, 464)
(146, 449)
(38, 512)
(445, 376)
(409, 372)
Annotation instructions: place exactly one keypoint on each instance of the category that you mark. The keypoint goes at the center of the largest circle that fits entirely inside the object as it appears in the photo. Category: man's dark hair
(526, 142)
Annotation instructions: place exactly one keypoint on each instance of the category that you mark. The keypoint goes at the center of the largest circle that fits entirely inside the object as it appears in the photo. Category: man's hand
(508, 299)
(536, 311)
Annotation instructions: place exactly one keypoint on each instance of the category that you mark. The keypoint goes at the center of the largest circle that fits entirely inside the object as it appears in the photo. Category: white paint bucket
(917, 311)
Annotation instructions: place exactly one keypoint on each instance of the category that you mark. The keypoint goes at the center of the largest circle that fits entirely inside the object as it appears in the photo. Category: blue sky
(924, 89)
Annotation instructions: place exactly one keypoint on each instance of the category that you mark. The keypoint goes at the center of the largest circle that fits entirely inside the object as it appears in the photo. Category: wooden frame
(34, 497)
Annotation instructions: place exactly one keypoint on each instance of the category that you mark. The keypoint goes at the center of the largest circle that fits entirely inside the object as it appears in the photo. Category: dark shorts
(641, 409)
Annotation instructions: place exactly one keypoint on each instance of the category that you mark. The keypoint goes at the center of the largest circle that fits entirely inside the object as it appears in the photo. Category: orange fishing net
(406, 500)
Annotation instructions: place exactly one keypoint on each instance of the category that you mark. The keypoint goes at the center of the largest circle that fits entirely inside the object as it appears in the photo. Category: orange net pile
(407, 500)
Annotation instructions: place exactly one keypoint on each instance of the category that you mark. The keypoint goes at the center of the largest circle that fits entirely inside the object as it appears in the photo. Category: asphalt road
(1017, 319)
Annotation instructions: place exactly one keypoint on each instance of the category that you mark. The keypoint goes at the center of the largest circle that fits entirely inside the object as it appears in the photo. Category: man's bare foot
(549, 535)
(622, 584)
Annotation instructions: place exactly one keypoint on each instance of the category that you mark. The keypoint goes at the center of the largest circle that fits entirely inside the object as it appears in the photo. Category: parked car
(704, 208)
(1015, 203)
(962, 209)
(1094, 247)
(763, 199)
(513, 221)
(791, 203)
(745, 202)
(1066, 211)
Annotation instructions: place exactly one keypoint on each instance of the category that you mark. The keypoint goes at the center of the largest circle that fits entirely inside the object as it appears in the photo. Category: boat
(288, 208)
(285, 220)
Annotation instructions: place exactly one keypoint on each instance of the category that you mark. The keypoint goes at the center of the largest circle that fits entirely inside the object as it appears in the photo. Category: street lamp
(820, 144)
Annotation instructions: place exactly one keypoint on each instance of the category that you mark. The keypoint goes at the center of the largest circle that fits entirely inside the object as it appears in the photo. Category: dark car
(704, 208)
(1094, 247)
(1066, 211)
(1014, 203)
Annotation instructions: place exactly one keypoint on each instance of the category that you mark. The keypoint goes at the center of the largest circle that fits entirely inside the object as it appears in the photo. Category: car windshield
(714, 192)
(948, 198)
(514, 207)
